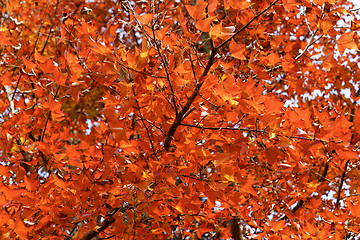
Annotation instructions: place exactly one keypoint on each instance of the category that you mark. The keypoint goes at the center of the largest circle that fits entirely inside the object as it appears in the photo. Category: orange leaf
(237, 51)
(4, 39)
(319, 2)
(240, 4)
(99, 47)
(29, 64)
(57, 115)
(346, 41)
(219, 31)
(197, 12)
(290, 5)
(20, 228)
(160, 34)
(204, 25)
(145, 18)
(355, 209)
(325, 26)
(212, 6)
(216, 31)
(278, 225)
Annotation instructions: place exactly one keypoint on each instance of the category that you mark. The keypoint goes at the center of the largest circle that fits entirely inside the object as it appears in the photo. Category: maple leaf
(346, 41)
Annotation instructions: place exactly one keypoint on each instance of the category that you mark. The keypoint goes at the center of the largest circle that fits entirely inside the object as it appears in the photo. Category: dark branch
(38, 34)
(211, 61)
(106, 223)
(341, 184)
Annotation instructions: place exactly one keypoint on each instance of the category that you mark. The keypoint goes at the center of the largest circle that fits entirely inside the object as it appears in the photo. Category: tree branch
(166, 71)
(341, 184)
(38, 34)
(235, 230)
(179, 117)
(51, 27)
(106, 223)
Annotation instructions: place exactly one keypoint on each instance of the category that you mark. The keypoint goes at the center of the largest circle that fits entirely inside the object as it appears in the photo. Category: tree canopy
(179, 119)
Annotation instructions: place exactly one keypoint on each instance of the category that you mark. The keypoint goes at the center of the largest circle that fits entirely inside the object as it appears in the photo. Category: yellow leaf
(233, 103)
(229, 177)
(313, 184)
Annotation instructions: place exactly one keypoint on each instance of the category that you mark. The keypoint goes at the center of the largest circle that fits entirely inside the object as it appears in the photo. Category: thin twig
(48, 116)
(38, 34)
(134, 70)
(351, 195)
(192, 67)
(254, 130)
(17, 85)
(51, 27)
(246, 25)
(311, 42)
(179, 117)
(143, 122)
(153, 124)
(314, 139)
(224, 128)
(216, 107)
(341, 184)
(130, 8)
(147, 129)
(166, 71)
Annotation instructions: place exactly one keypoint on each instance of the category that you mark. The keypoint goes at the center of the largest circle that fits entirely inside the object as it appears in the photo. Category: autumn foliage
(179, 119)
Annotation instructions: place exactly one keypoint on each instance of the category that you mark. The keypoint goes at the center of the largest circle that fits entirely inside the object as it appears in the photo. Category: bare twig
(166, 71)
(216, 107)
(311, 42)
(153, 124)
(351, 195)
(51, 27)
(143, 122)
(314, 139)
(16, 87)
(179, 117)
(134, 70)
(254, 130)
(224, 128)
(129, 8)
(37, 37)
(341, 184)
(48, 116)
(146, 128)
